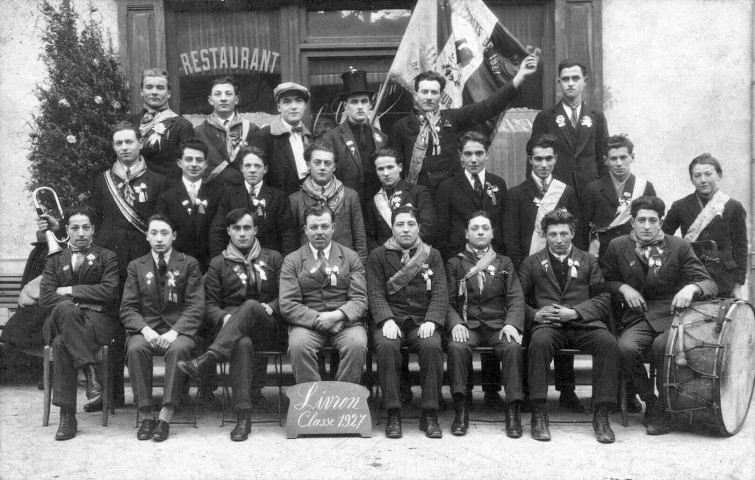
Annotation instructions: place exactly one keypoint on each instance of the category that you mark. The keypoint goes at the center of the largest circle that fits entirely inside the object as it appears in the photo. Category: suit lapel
(67, 267)
(335, 260)
(85, 266)
(351, 145)
(606, 188)
(584, 129)
(310, 265)
(630, 256)
(184, 201)
(564, 129)
(545, 264)
(463, 184)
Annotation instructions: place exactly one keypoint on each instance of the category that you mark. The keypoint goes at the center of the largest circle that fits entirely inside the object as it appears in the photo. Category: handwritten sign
(328, 408)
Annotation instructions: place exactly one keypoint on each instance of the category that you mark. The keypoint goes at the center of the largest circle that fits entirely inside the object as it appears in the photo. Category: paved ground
(28, 450)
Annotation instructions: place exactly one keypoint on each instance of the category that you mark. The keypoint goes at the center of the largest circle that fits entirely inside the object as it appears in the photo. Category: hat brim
(344, 96)
(293, 90)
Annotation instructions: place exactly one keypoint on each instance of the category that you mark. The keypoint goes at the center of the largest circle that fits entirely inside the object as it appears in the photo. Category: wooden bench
(10, 288)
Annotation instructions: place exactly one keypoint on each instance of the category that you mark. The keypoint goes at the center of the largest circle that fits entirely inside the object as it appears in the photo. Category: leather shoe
(199, 366)
(94, 406)
(539, 426)
(145, 431)
(568, 399)
(493, 399)
(602, 426)
(659, 424)
(652, 408)
(243, 426)
(460, 424)
(513, 420)
(161, 431)
(393, 424)
(428, 423)
(68, 425)
(94, 388)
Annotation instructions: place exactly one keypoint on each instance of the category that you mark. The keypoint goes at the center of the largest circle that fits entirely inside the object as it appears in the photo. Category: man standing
(355, 140)
(241, 287)
(80, 285)
(605, 205)
(484, 290)
(428, 135)
(162, 308)
(563, 313)
(162, 129)
(581, 130)
(656, 275)
(408, 301)
(323, 297)
(224, 132)
(286, 138)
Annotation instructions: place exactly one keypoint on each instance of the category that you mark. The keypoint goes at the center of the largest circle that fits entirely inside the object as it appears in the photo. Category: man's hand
(47, 222)
(391, 330)
(546, 315)
(511, 333)
(426, 330)
(460, 333)
(337, 328)
(683, 298)
(526, 68)
(64, 291)
(150, 335)
(267, 308)
(163, 341)
(326, 320)
(633, 298)
(565, 314)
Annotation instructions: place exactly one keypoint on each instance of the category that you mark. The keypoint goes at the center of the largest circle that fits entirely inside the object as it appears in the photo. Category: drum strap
(722, 311)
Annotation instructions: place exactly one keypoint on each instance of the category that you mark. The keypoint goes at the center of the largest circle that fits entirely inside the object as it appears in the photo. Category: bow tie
(298, 130)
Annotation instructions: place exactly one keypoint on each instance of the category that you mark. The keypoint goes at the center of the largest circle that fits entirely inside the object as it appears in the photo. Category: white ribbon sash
(623, 214)
(547, 204)
(714, 207)
(383, 207)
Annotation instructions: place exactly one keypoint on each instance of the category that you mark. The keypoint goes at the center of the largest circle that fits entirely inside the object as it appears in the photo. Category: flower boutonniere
(350, 144)
(201, 205)
(396, 199)
(491, 270)
(148, 277)
(159, 128)
(259, 266)
(260, 205)
(91, 258)
(545, 264)
(332, 272)
(573, 264)
(537, 201)
(376, 136)
(141, 190)
(719, 211)
(170, 284)
(241, 274)
(185, 203)
(427, 274)
(586, 121)
(561, 121)
(624, 201)
(491, 190)
(654, 259)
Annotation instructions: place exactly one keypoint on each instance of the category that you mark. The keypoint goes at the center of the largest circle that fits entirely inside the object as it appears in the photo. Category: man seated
(162, 308)
(323, 297)
(80, 285)
(484, 290)
(408, 300)
(241, 288)
(656, 275)
(562, 313)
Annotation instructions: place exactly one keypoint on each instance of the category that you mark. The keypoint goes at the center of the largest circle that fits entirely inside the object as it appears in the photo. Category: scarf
(127, 175)
(411, 267)
(429, 127)
(233, 139)
(649, 252)
(77, 255)
(331, 194)
(151, 118)
(478, 269)
(233, 254)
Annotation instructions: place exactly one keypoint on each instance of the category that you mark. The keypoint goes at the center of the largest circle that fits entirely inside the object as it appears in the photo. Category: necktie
(405, 257)
(574, 117)
(193, 193)
(477, 184)
(321, 261)
(297, 130)
(252, 198)
(76, 260)
(481, 274)
(162, 267)
(544, 186)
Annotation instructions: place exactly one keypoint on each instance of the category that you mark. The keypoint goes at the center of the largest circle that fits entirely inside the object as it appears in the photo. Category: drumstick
(681, 356)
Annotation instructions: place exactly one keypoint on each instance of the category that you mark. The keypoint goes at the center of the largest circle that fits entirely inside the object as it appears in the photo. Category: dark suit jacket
(305, 292)
(350, 167)
(519, 213)
(276, 230)
(218, 153)
(501, 302)
(679, 267)
(599, 208)
(225, 292)
(162, 158)
(281, 172)
(456, 200)
(541, 289)
(729, 231)
(413, 304)
(580, 153)
(419, 197)
(454, 121)
(144, 303)
(192, 226)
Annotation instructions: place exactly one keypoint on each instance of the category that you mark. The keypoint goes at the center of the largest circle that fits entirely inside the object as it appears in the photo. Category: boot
(199, 366)
(428, 423)
(393, 424)
(94, 388)
(461, 420)
(243, 426)
(513, 420)
(657, 421)
(68, 425)
(539, 427)
(601, 425)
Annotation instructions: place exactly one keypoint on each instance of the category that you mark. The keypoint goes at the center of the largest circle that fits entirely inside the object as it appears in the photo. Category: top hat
(291, 87)
(355, 83)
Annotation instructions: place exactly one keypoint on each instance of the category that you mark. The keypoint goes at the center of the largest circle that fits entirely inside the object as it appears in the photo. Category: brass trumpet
(52, 240)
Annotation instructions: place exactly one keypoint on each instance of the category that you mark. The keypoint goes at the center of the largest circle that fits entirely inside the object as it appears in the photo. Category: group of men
(258, 235)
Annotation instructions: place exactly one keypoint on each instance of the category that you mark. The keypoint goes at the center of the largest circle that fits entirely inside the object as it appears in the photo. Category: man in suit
(655, 275)
(409, 302)
(276, 228)
(286, 138)
(605, 205)
(355, 140)
(323, 297)
(427, 136)
(224, 132)
(241, 288)
(484, 290)
(162, 129)
(562, 313)
(162, 308)
(80, 285)
(192, 204)
(581, 130)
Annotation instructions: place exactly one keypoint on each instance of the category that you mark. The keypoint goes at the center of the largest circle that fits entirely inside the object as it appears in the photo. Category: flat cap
(290, 87)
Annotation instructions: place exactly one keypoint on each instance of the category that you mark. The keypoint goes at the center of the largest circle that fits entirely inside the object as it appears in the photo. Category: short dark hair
(648, 202)
(236, 215)
(430, 75)
(387, 152)
(253, 150)
(225, 79)
(79, 210)
(194, 144)
(161, 217)
(318, 210)
(706, 159)
(318, 146)
(478, 213)
(154, 72)
(569, 63)
(544, 140)
(405, 209)
(619, 141)
(558, 217)
(474, 136)
(125, 125)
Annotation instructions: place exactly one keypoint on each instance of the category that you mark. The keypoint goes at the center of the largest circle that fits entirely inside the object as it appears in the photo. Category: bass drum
(709, 364)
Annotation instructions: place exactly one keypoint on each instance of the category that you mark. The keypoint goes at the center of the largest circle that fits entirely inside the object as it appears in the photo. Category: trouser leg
(602, 345)
(65, 375)
(139, 359)
(544, 341)
(241, 364)
(351, 344)
(179, 350)
(511, 355)
(459, 359)
(658, 352)
(389, 360)
(563, 366)
(430, 365)
(250, 320)
(303, 345)
(71, 324)
(633, 342)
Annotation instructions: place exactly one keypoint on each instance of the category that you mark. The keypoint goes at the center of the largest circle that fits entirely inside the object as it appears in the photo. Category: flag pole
(381, 93)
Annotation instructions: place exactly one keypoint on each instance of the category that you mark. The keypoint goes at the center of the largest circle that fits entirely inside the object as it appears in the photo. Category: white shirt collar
(256, 188)
(326, 250)
(563, 257)
(539, 181)
(156, 257)
(568, 108)
(471, 181)
(188, 184)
